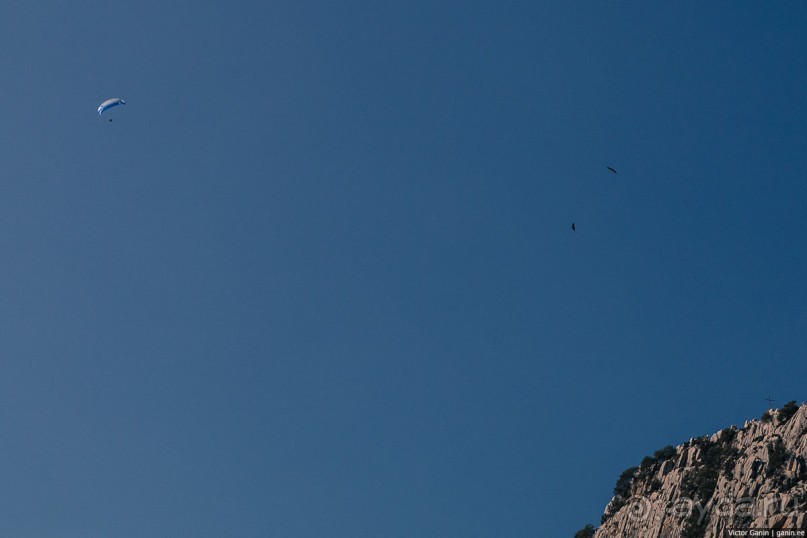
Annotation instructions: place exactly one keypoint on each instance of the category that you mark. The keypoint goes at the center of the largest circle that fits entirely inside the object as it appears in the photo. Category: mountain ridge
(749, 478)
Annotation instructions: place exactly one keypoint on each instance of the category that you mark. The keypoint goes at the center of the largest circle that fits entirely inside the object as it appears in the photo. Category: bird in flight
(573, 227)
(611, 169)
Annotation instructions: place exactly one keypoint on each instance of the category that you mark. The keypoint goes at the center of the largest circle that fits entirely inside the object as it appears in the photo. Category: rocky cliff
(752, 478)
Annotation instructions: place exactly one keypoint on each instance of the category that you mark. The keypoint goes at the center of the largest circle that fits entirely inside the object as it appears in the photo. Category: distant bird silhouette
(573, 227)
(611, 169)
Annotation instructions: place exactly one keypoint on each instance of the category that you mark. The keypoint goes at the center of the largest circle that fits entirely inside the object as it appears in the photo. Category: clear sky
(317, 278)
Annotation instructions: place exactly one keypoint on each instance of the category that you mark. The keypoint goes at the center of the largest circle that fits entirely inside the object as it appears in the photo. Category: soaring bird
(611, 169)
(573, 227)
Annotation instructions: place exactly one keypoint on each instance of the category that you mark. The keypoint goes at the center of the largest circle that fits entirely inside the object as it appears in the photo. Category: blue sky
(316, 278)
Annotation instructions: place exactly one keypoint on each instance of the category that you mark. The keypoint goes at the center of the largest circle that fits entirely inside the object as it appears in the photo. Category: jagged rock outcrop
(751, 477)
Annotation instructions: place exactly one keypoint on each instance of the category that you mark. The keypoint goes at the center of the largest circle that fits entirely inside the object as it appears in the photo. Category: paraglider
(574, 227)
(611, 169)
(109, 103)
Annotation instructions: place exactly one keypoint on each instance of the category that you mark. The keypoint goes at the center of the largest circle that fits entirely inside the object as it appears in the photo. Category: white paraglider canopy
(109, 103)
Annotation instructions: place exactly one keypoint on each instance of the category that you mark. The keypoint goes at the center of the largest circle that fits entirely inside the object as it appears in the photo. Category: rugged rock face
(753, 477)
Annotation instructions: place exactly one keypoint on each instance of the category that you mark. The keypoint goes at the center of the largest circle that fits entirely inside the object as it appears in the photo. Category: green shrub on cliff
(787, 411)
(585, 532)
